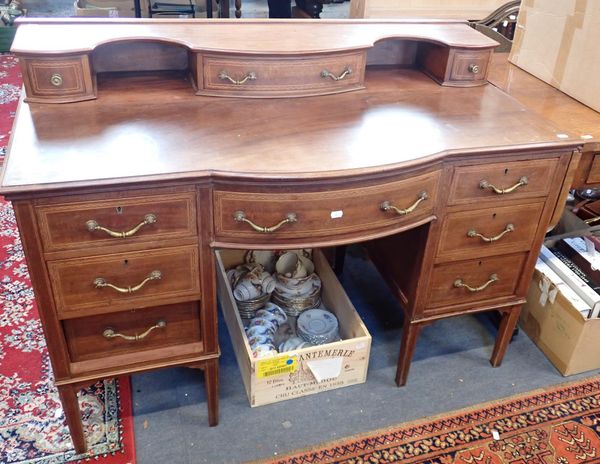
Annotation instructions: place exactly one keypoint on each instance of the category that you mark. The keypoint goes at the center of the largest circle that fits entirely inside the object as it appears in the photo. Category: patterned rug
(555, 426)
(32, 428)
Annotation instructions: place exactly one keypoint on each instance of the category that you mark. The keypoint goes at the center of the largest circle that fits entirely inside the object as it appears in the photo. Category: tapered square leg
(211, 384)
(70, 404)
(505, 331)
(410, 333)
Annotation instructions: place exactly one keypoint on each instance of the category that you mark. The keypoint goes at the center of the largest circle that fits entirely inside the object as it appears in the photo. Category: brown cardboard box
(263, 380)
(447, 9)
(567, 338)
(557, 41)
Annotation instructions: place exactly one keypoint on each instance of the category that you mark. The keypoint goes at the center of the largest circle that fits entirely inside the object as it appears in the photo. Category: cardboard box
(557, 41)
(289, 375)
(553, 322)
(445, 9)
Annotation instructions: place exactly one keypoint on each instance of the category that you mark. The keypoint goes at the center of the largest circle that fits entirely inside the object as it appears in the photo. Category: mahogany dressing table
(141, 146)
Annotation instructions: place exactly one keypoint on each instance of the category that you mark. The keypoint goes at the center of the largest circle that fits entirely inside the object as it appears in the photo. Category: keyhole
(494, 216)
(119, 209)
(125, 262)
(480, 262)
(506, 171)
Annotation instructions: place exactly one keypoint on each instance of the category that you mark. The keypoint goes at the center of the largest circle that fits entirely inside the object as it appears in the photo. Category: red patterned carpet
(32, 428)
(555, 426)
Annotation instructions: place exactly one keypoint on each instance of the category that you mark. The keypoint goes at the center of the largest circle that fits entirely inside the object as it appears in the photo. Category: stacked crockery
(318, 326)
(252, 287)
(297, 287)
(262, 328)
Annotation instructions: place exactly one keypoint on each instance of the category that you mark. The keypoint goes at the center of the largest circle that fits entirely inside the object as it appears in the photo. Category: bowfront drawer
(264, 76)
(267, 217)
(469, 67)
(58, 80)
(132, 331)
(111, 221)
(500, 181)
(486, 232)
(473, 281)
(119, 281)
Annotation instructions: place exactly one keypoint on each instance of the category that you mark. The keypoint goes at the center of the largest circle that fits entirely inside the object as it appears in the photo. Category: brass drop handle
(240, 216)
(458, 283)
(387, 206)
(473, 68)
(56, 80)
(473, 233)
(100, 282)
(325, 74)
(251, 76)
(484, 184)
(92, 225)
(109, 332)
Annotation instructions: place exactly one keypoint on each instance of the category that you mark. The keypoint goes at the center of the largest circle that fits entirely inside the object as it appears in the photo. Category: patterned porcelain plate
(317, 323)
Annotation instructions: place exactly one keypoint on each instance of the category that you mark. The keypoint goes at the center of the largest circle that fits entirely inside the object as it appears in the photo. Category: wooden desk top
(545, 100)
(240, 36)
(144, 127)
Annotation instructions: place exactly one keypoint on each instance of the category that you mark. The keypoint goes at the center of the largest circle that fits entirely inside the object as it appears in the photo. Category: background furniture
(171, 9)
(119, 238)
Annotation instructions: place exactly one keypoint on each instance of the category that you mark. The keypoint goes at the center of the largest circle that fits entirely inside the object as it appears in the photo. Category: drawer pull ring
(473, 233)
(240, 216)
(93, 225)
(109, 332)
(387, 206)
(458, 283)
(56, 80)
(251, 76)
(325, 74)
(484, 184)
(100, 282)
(474, 69)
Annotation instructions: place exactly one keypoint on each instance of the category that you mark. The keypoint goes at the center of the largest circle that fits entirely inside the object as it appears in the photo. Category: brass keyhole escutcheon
(56, 80)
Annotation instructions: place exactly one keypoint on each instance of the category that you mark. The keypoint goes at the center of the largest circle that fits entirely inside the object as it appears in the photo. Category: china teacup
(275, 312)
(263, 351)
(263, 257)
(259, 330)
(260, 340)
(287, 263)
(245, 290)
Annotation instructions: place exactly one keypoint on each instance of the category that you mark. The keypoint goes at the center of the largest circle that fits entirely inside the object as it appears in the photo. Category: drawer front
(110, 334)
(263, 76)
(470, 66)
(502, 181)
(487, 232)
(58, 79)
(147, 278)
(117, 221)
(320, 214)
(488, 279)
(593, 176)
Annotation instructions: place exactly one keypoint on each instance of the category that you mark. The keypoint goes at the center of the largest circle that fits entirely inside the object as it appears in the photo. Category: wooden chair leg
(410, 333)
(70, 404)
(505, 332)
(211, 384)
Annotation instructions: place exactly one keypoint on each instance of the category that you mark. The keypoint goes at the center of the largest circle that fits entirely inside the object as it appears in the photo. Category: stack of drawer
(493, 213)
(124, 276)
